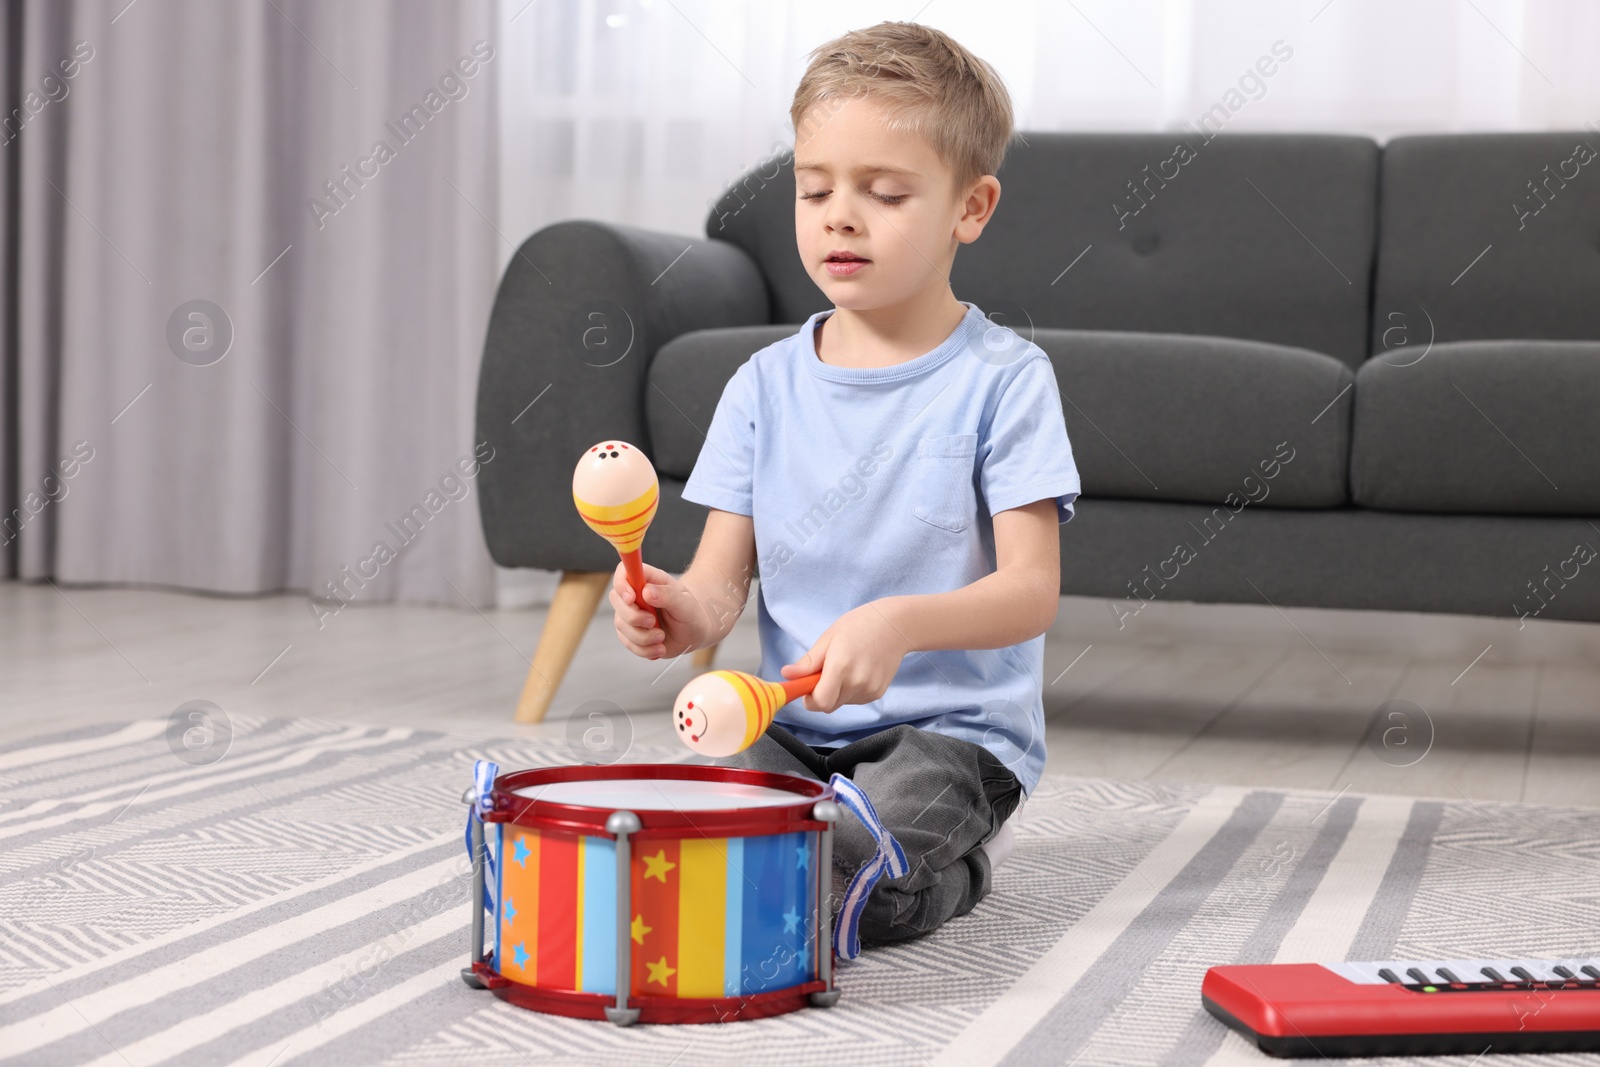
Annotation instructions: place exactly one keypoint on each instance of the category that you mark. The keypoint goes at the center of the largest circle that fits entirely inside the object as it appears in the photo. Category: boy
(851, 460)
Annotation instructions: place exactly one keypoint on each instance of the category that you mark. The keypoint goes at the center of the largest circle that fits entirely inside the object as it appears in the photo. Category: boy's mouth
(843, 263)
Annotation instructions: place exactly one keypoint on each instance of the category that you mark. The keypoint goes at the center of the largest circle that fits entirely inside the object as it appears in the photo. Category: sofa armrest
(581, 311)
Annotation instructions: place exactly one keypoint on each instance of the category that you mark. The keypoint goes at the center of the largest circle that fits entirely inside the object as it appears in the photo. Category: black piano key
(1524, 974)
(1494, 975)
(1417, 973)
(1564, 972)
(1389, 976)
(1449, 976)
(1592, 971)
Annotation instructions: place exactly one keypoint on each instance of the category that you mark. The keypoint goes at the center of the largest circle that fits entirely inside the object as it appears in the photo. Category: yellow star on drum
(657, 866)
(659, 971)
(640, 929)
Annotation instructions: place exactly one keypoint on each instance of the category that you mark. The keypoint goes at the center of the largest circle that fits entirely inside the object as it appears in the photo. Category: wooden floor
(1440, 706)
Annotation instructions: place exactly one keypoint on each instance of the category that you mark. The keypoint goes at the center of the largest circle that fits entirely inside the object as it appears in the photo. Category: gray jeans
(941, 797)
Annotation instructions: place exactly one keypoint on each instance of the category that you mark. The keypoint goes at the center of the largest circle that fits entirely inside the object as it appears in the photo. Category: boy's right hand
(680, 616)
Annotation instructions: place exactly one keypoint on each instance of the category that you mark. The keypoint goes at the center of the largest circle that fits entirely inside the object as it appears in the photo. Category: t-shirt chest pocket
(943, 492)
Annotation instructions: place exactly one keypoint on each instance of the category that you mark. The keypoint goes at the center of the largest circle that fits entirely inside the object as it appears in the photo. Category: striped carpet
(302, 900)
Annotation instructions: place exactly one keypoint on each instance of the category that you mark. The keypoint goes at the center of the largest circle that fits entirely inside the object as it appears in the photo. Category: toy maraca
(723, 712)
(616, 491)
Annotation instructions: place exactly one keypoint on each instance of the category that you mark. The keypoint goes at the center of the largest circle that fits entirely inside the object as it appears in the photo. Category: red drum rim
(591, 821)
(652, 1009)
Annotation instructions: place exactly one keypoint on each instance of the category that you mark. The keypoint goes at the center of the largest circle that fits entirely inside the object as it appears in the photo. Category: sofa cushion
(1488, 237)
(684, 383)
(1137, 551)
(1268, 237)
(1171, 417)
(1496, 427)
(1151, 416)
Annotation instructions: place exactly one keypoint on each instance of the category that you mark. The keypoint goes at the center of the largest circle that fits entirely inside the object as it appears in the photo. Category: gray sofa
(1296, 369)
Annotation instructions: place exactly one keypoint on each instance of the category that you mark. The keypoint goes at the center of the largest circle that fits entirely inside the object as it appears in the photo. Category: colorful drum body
(702, 887)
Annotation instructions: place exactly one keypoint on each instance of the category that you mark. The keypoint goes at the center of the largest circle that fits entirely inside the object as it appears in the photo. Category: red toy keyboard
(1410, 1007)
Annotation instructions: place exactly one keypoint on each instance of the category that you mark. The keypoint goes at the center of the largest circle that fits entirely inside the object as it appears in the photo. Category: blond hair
(930, 85)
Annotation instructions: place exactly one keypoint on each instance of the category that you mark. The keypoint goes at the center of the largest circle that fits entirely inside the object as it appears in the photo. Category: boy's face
(885, 196)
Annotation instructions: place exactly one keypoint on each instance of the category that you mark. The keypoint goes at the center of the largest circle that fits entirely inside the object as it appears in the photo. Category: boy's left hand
(858, 656)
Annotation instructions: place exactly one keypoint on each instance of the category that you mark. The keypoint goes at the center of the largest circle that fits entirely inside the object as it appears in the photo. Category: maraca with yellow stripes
(616, 491)
(723, 712)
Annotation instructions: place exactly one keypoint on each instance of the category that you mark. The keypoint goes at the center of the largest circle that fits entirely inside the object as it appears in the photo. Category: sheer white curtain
(641, 111)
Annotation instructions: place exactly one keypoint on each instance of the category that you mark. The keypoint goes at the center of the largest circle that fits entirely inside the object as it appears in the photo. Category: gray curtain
(248, 264)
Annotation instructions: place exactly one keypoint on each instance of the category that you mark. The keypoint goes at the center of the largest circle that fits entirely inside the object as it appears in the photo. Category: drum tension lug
(825, 998)
(622, 1016)
(481, 975)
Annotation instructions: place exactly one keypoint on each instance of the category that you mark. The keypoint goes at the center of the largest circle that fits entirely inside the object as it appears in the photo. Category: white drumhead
(661, 794)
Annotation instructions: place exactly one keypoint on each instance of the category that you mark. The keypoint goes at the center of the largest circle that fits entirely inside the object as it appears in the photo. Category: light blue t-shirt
(865, 483)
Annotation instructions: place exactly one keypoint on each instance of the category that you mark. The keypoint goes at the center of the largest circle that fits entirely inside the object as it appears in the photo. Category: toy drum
(657, 893)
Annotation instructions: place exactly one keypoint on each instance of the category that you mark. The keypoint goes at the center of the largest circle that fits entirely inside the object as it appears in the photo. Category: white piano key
(1362, 972)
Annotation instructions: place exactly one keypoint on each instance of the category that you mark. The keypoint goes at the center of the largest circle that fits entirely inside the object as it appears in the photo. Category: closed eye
(891, 200)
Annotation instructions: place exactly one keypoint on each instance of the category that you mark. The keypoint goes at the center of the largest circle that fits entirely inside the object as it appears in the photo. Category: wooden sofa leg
(703, 656)
(571, 609)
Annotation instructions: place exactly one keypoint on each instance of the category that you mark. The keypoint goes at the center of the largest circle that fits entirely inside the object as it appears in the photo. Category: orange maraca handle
(633, 566)
(799, 687)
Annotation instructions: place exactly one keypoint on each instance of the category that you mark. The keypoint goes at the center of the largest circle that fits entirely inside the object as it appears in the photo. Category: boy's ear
(978, 208)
